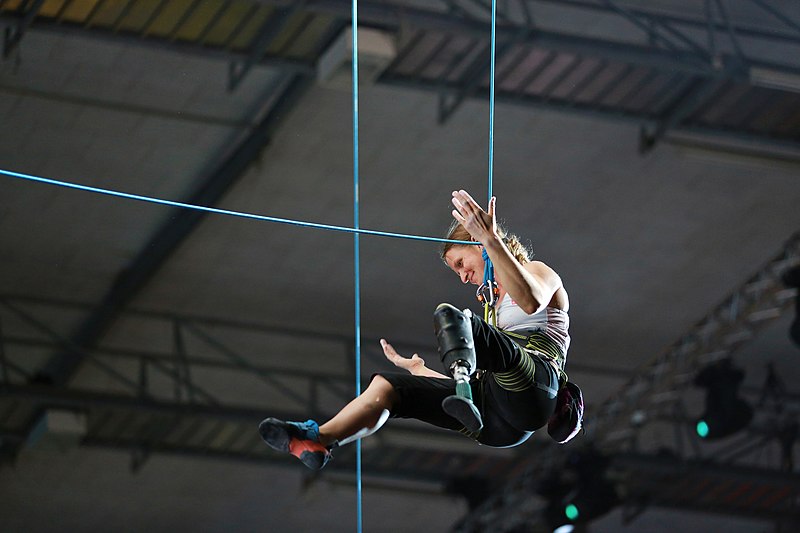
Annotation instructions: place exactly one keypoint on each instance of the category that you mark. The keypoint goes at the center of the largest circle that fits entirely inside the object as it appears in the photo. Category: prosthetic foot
(457, 351)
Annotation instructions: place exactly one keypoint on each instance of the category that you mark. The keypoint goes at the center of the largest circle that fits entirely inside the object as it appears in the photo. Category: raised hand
(482, 225)
(412, 364)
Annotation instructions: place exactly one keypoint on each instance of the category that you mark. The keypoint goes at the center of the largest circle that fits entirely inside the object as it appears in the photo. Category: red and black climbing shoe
(300, 439)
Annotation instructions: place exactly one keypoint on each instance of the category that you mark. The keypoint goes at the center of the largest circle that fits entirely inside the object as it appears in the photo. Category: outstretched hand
(412, 364)
(481, 225)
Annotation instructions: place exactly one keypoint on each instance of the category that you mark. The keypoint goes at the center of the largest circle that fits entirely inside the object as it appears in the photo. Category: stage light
(571, 512)
(584, 494)
(725, 412)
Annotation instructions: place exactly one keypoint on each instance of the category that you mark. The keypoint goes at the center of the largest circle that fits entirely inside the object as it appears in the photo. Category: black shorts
(509, 416)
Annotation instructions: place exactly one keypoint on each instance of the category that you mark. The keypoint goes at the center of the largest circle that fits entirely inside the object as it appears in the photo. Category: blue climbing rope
(154, 200)
(491, 100)
(357, 255)
(489, 285)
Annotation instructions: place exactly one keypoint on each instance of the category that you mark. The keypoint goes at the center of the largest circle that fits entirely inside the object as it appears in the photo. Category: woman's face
(467, 262)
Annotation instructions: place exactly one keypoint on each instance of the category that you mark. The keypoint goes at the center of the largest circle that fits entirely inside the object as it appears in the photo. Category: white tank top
(552, 322)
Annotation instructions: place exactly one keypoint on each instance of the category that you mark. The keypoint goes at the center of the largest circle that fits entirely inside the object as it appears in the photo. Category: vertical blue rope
(356, 253)
(488, 270)
(491, 101)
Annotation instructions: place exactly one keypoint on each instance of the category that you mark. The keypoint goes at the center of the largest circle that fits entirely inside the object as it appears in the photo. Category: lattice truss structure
(638, 468)
(197, 387)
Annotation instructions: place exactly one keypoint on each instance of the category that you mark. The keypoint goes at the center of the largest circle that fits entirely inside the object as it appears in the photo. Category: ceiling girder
(707, 23)
(690, 102)
(14, 33)
(698, 131)
(270, 30)
(145, 426)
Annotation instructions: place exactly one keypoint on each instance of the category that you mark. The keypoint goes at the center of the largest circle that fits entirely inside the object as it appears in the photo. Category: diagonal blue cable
(151, 199)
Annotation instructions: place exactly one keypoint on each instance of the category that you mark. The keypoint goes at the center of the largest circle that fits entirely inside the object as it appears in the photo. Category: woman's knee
(383, 390)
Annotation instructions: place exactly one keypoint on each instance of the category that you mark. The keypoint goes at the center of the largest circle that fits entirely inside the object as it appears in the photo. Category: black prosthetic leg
(457, 350)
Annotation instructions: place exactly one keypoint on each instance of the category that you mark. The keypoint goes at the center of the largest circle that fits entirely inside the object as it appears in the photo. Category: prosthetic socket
(454, 336)
(457, 351)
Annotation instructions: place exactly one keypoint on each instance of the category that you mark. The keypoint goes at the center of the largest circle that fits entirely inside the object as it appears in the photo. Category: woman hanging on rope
(516, 366)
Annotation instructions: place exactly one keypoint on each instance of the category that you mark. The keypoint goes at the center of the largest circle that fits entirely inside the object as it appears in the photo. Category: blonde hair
(456, 232)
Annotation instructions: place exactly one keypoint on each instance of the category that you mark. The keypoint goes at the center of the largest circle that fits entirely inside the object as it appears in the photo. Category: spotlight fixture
(589, 496)
(725, 412)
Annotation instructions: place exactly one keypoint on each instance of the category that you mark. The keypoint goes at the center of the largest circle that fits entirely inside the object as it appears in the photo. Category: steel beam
(691, 101)
(270, 30)
(395, 18)
(194, 323)
(14, 33)
(585, 109)
(46, 395)
(286, 65)
(689, 22)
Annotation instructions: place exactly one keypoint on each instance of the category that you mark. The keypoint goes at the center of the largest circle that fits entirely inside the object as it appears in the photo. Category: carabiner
(487, 293)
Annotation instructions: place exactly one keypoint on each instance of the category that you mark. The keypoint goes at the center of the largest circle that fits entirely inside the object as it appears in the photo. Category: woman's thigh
(494, 350)
(421, 397)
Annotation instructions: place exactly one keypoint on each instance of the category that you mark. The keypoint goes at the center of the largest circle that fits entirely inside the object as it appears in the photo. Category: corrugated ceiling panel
(425, 52)
(50, 8)
(455, 49)
(629, 86)
(168, 18)
(227, 22)
(108, 13)
(314, 30)
(597, 87)
(290, 33)
(199, 20)
(576, 77)
(562, 64)
(463, 61)
(243, 38)
(78, 10)
(515, 80)
(649, 92)
(136, 17)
